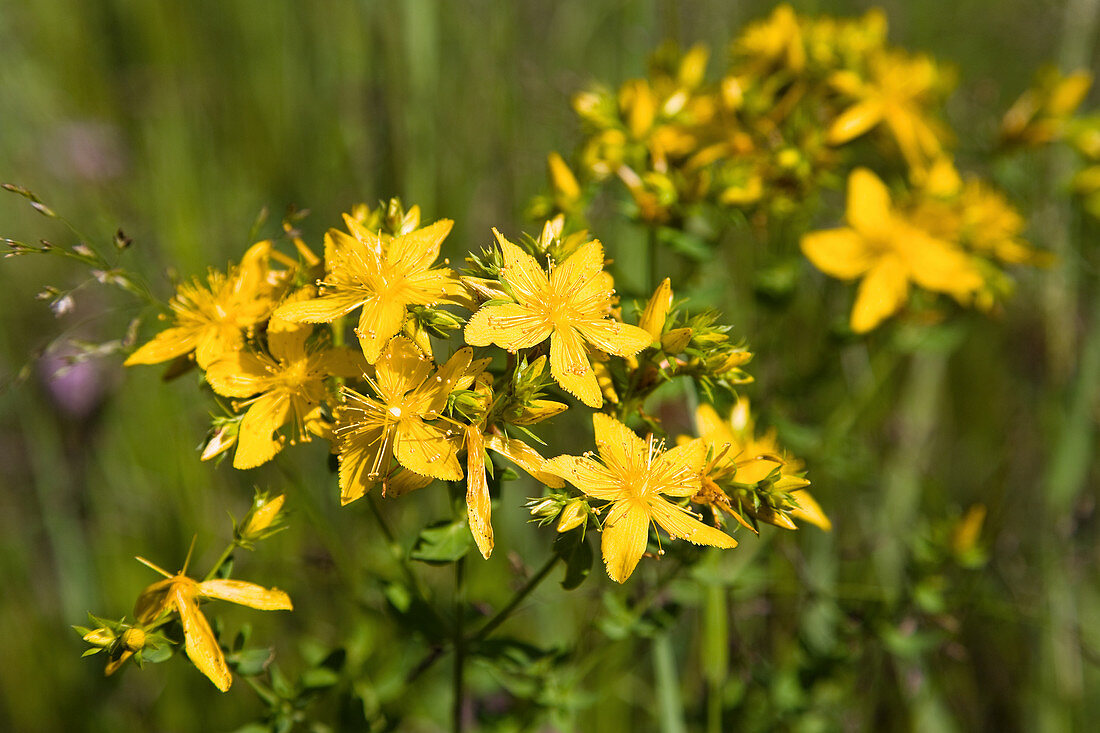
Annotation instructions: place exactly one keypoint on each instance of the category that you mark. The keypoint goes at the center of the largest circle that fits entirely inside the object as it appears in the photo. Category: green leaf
(576, 551)
(250, 662)
(319, 678)
(442, 542)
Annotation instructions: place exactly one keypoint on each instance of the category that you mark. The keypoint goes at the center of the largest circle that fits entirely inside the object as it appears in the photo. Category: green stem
(396, 550)
(503, 614)
(458, 682)
(669, 705)
(221, 560)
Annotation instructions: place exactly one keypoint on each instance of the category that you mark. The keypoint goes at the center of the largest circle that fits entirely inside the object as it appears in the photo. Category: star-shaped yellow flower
(286, 384)
(211, 319)
(181, 594)
(381, 275)
(896, 96)
(570, 307)
(888, 252)
(633, 475)
(402, 423)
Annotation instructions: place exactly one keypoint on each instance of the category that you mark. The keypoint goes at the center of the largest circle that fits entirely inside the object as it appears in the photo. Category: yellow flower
(887, 252)
(896, 96)
(570, 307)
(381, 275)
(401, 423)
(181, 594)
(742, 457)
(211, 319)
(286, 384)
(632, 475)
(777, 40)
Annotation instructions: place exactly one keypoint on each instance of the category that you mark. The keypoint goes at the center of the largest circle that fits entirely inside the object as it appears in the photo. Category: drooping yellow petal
(868, 209)
(841, 253)
(246, 594)
(526, 457)
(681, 524)
(426, 450)
(882, 293)
(478, 504)
(199, 642)
(570, 367)
(168, 344)
(509, 325)
(625, 535)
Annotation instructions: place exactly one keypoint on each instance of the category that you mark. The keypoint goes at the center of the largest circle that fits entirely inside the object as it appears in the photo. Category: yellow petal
(625, 535)
(255, 442)
(526, 457)
(754, 470)
(881, 294)
(418, 249)
(334, 303)
(246, 594)
(868, 207)
(435, 393)
(168, 344)
(521, 271)
(619, 446)
(343, 362)
(538, 410)
(478, 505)
(238, 375)
(199, 642)
(571, 369)
(711, 427)
(215, 342)
(425, 449)
(841, 253)
(578, 269)
(808, 510)
(400, 369)
(402, 481)
(358, 458)
(677, 471)
(379, 321)
(620, 339)
(562, 179)
(854, 121)
(587, 475)
(682, 524)
(508, 325)
(938, 266)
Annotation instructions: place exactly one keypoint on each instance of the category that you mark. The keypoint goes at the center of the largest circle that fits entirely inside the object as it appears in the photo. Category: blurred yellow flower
(381, 275)
(181, 594)
(888, 252)
(570, 307)
(633, 474)
(211, 319)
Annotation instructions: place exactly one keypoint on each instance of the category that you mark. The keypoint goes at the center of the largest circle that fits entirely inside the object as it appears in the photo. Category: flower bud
(656, 310)
(573, 515)
(676, 340)
(133, 639)
(261, 520)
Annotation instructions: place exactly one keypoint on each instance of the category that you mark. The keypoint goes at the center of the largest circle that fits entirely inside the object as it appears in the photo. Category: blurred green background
(179, 121)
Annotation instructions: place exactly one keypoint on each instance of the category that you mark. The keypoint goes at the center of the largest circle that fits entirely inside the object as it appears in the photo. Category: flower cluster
(540, 323)
(798, 99)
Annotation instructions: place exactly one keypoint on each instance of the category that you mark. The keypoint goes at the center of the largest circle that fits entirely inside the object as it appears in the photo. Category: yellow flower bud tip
(133, 639)
(562, 179)
(656, 310)
(222, 440)
(262, 515)
(573, 515)
(676, 340)
(966, 532)
(100, 637)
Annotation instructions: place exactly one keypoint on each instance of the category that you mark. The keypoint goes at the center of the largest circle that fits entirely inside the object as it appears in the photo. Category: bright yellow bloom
(285, 385)
(570, 307)
(211, 319)
(742, 457)
(632, 475)
(888, 252)
(777, 40)
(896, 96)
(381, 275)
(181, 594)
(402, 423)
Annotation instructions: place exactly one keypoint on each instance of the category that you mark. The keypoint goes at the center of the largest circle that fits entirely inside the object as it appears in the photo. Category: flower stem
(221, 560)
(458, 681)
(503, 614)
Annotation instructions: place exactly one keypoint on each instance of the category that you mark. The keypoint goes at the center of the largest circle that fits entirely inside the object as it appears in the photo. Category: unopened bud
(133, 639)
(676, 340)
(573, 515)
